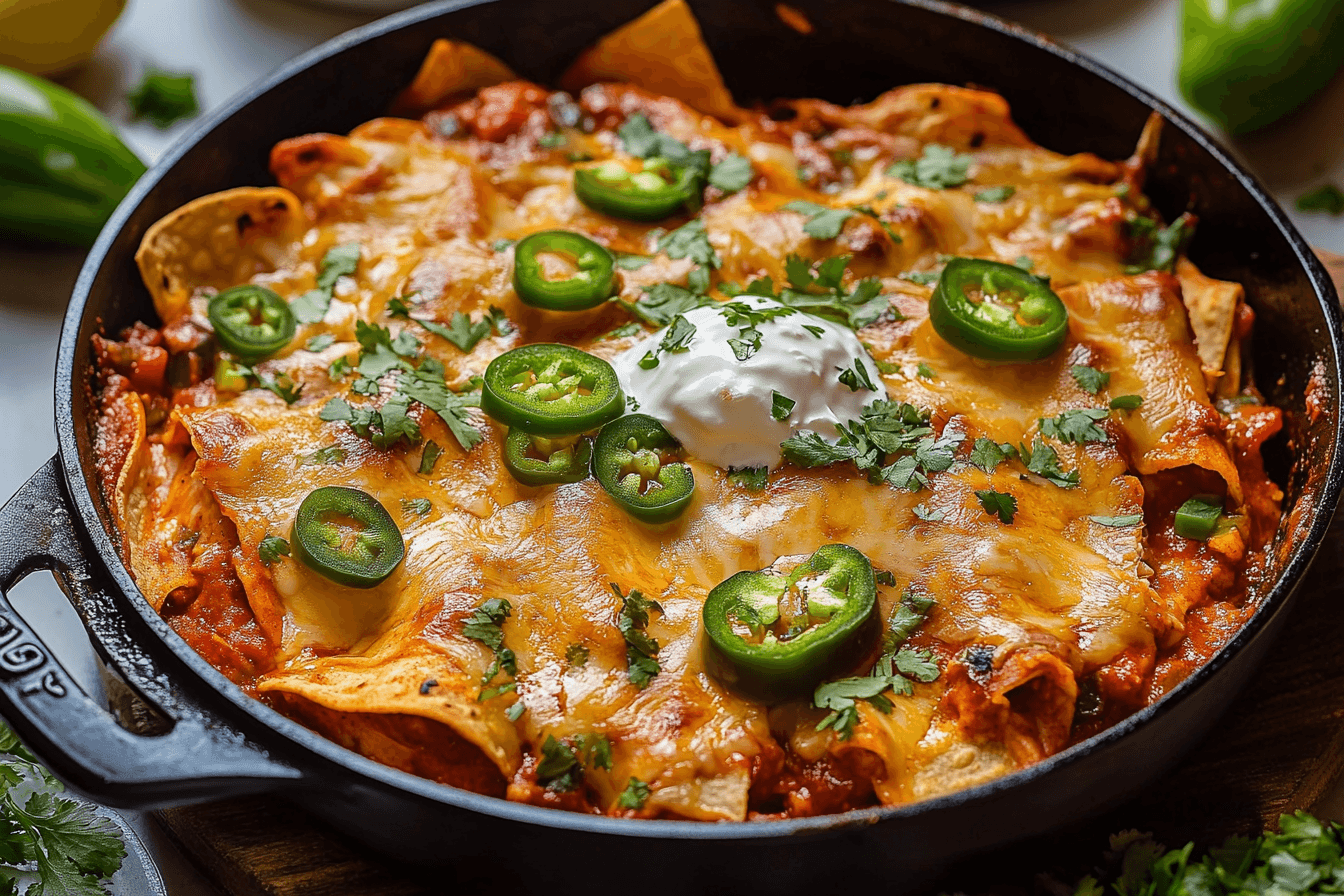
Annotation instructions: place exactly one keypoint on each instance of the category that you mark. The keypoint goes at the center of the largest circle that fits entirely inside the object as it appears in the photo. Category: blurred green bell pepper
(62, 167)
(1246, 63)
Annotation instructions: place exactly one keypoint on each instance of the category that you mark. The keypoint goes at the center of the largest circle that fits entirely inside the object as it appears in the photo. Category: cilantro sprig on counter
(49, 843)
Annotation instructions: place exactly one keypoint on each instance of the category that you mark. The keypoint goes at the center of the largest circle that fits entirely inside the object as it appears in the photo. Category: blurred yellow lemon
(47, 37)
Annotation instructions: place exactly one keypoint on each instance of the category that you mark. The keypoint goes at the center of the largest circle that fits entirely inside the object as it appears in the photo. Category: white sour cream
(719, 407)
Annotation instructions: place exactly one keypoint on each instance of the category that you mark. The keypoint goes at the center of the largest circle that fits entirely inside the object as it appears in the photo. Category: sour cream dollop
(719, 408)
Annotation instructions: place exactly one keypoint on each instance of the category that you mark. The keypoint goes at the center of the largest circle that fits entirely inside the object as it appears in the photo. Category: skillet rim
(327, 751)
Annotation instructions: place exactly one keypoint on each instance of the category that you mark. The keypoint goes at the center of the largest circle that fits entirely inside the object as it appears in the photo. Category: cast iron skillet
(218, 742)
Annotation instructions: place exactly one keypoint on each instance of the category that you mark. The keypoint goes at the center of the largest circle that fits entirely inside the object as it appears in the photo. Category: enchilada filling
(628, 451)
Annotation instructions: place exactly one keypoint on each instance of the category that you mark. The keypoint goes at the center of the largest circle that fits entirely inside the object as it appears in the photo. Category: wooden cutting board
(1279, 748)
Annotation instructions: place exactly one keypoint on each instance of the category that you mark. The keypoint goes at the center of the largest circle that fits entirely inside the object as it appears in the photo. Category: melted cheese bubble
(719, 408)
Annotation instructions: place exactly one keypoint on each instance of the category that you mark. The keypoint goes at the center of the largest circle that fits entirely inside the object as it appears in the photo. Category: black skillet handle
(200, 758)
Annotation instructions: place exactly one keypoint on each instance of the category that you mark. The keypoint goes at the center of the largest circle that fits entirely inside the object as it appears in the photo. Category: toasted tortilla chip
(1212, 306)
(391, 683)
(450, 67)
(663, 52)
(219, 240)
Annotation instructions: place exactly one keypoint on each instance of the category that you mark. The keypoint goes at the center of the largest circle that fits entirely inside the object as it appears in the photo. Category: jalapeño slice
(251, 321)
(638, 462)
(551, 390)
(347, 536)
(773, 637)
(998, 312)
(655, 192)
(537, 460)
(589, 285)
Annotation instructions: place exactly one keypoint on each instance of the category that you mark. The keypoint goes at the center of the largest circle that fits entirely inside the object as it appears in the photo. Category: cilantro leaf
(1155, 248)
(1043, 460)
(928, 516)
(577, 655)
(330, 454)
(634, 796)
(1327, 198)
(417, 506)
(925, 371)
(938, 168)
(319, 342)
(753, 479)
(823, 223)
(807, 449)
(732, 173)
(429, 456)
(677, 339)
(641, 651)
(987, 454)
(163, 98)
(460, 331)
(781, 406)
(995, 194)
(272, 548)
(339, 261)
(1075, 426)
(622, 332)
(689, 241)
(1126, 402)
(998, 503)
(559, 766)
(857, 377)
(905, 617)
(627, 262)
(664, 301)
(1089, 379)
(1118, 522)
(486, 624)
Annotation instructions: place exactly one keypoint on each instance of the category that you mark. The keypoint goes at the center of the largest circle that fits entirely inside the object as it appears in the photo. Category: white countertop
(229, 44)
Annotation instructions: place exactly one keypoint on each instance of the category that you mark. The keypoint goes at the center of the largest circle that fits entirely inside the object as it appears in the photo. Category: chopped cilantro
(1155, 248)
(627, 262)
(1118, 522)
(677, 339)
(486, 624)
(689, 241)
(1042, 460)
(634, 796)
(319, 342)
(280, 384)
(1076, 426)
(515, 712)
(641, 651)
(817, 289)
(429, 456)
(781, 406)
(938, 168)
(923, 278)
(417, 506)
(1126, 402)
(753, 479)
(823, 223)
(622, 332)
(577, 655)
(562, 761)
(460, 331)
(995, 194)
(732, 173)
(925, 371)
(997, 503)
(339, 261)
(664, 301)
(1327, 198)
(927, 515)
(163, 98)
(857, 377)
(988, 454)
(1089, 379)
(905, 617)
(330, 454)
(272, 548)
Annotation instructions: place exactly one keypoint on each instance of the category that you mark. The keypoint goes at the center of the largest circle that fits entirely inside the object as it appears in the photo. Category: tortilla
(663, 52)
(450, 67)
(218, 240)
